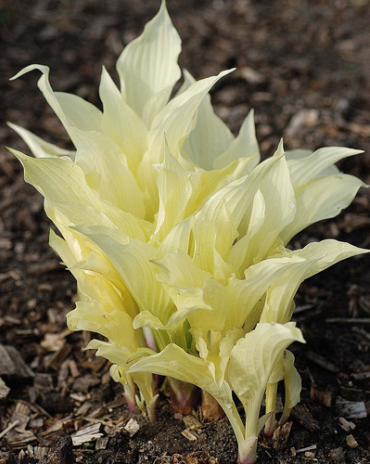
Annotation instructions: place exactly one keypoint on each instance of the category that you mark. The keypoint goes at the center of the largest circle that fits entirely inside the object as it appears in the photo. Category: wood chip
(22, 421)
(57, 359)
(101, 443)
(58, 425)
(351, 441)
(337, 455)
(90, 433)
(132, 427)
(73, 368)
(7, 429)
(83, 409)
(351, 409)
(189, 435)
(12, 364)
(60, 453)
(346, 425)
(43, 382)
(303, 416)
(321, 397)
(4, 390)
(191, 423)
(19, 440)
(361, 376)
(52, 342)
(83, 384)
(37, 452)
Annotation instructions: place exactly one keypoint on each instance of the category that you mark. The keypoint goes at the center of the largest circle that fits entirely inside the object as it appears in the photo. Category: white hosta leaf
(178, 237)
(148, 66)
(279, 298)
(173, 122)
(118, 185)
(181, 271)
(254, 357)
(327, 253)
(293, 383)
(213, 232)
(280, 208)
(321, 198)
(215, 295)
(121, 123)
(97, 280)
(304, 165)
(64, 185)
(176, 117)
(230, 206)
(210, 136)
(206, 183)
(316, 256)
(135, 263)
(192, 291)
(77, 115)
(116, 325)
(242, 253)
(39, 147)
(245, 294)
(174, 189)
(245, 145)
(174, 362)
(273, 208)
(62, 248)
(117, 354)
(206, 307)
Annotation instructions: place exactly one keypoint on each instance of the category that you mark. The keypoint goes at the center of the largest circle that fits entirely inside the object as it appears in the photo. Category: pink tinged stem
(130, 399)
(247, 453)
(184, 396)
(271, 423)
(149, 338)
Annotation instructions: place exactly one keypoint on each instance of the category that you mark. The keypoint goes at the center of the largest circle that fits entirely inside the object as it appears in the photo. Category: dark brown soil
(293, 57)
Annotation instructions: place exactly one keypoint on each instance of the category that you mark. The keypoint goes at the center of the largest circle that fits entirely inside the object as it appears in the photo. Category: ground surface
(309, 59)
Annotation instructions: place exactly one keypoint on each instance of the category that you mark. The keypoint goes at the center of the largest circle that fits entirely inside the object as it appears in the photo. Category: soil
(304, 67)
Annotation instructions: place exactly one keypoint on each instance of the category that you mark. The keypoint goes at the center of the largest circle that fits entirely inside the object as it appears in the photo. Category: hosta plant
(177, 234)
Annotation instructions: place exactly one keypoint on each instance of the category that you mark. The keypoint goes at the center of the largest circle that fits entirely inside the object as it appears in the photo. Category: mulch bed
(304, 67)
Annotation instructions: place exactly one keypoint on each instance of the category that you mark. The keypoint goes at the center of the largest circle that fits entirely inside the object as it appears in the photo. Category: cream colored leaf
(245, 294)
(64, 184)
(254, 357)
(174, 190)
(76, 115)
(209, 137)
(245, 145)
(39, 147)
(116, 185)
(175, 118)
(116, 325)
(148, 66)
(321, 198)
(293, 383)
(134, 262)
(174, 362)
(305, 166)
(121, 123)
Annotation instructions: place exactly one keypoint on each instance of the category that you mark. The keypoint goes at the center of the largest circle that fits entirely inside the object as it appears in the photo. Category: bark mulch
(304, 67)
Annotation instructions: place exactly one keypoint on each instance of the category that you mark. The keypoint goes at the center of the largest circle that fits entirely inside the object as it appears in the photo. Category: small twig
(308, 448)
(105, 422)
(10, 427)
(348, 320)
